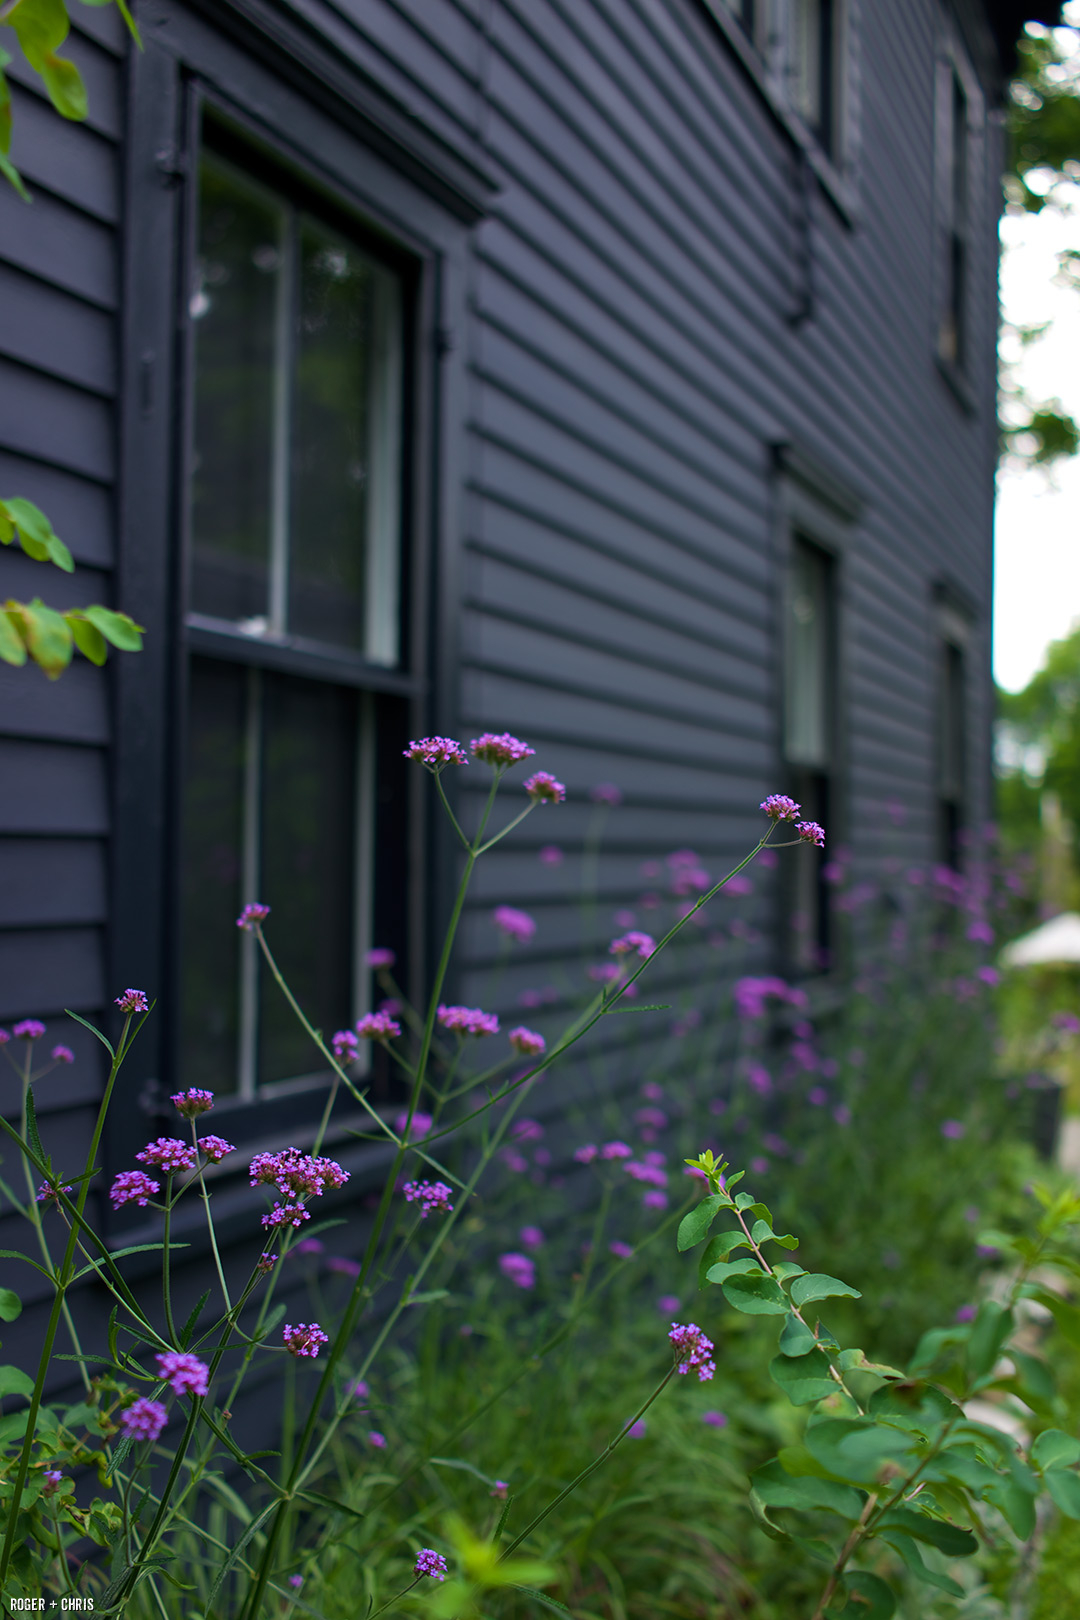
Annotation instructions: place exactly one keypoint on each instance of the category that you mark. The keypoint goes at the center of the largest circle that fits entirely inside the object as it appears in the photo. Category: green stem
(209, 1222)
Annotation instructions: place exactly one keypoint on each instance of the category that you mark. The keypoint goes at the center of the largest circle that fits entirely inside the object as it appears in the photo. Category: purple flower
(192, 1102)
(715, 1420)
(654, 1117)
(980, 932)
(527, 1130)
(266, 1263)
(132, 1187)
(52, 1478)
(739, 884)
(296, 1580)
(168, 1153)
(760, 1078)
(811, 833)
(842, 1114)
(215, 1147)
(621, 1251)
(532, 1237)
(296, 1174)
(185, 1374)
(615, 1150)
(421, 1124)
(344, 1044)
(380, 957)
(499, 1490)
(543, 788)
(514, 924)
(651, 1174)
(47, 1194)
(4, 1037)
(1067, 1022)
(633, 943)
(309, 1246)
(667, 1303)
(30, 1029)
(429, 1562)
(605, 972)
(499, 749)
(778, 807)
(527, 1041)
(377, 1440)
(988, 975)
(518, 1269)
(305, 1339)
(654, 1200)
(987, 1251)
(636, 1431)
(343, 1266)
(468, 1020)
(431, 1195)
(251, 916)
(551, 855)
(286, 1215)
(435, 752)
(359, 1390)
(606, 793)
(966, 1313)
(693, 1350)
(143, 1419)
(760, 1166)
(378, 1026)
(62, 1054)
(953, 1129)
(586, 1154)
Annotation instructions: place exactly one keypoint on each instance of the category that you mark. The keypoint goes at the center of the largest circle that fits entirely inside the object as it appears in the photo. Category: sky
(1037, 543)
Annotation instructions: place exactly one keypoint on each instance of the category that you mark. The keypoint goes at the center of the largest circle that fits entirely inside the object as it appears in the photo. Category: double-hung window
(809, 735)
(952, 749)
(954, 158)
(294, 567)
(798, 43)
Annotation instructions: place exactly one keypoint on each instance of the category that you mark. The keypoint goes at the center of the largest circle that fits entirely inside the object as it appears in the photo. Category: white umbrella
(1055, 941)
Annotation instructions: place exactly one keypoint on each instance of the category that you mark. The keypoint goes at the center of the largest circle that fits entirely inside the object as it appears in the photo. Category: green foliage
(1044, 114)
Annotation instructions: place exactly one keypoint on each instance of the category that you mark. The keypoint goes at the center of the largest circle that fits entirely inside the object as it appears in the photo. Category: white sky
(1037, 547)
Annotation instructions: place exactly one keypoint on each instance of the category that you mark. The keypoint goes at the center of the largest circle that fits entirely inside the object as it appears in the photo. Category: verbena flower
(604, 972)
(606, 793)
(143, 1419)
(251, 915)
(296, 1174)
(62, 1054)
(715, 1420)
(543, 788)
(499, 1489)
(49, 1194)
(132, 1187)
(616, 1150)
(527, 1130)
(421, 1124)
(344, 1045)
(514, 924)
(435, 752)
(499, 749)
(266, 1263)
(192, 1102)
(518, 1269)
(551, 855)
(4, 1037)
(168, 1153)
(377, 1026)
(693, 1349)
(377, 1440)
(811, 833)
(668, 1303)
(532, 1237)
(651, 1174)
(953, 1129)
(586, 1154)
(53, 1478)
(184, 1373)
(527, 1041)
(29, 1029)
(343, 1265)
(132, 1001)
(633, 943)
(430, 1195)
(636, 1431)
(381, 957)
(778, 807)
(468, 1020)
(215, 1147)
(286, 1215)
(429, 1562)
(305, 1339)
(309, 1246)
(653, 1117)
(621, 1251)
(359, 1389)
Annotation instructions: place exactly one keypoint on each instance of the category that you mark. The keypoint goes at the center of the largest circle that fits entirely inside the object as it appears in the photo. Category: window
(955, 212)
(952, 751)
(809, 736)
(798, 43)
(295, 547)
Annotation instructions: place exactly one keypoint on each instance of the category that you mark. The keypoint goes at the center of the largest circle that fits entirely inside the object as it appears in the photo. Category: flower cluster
(296, 1174)
(431, 1195)
(378, 1026)
(30, 1029)
(811, 833)
(518, 1269)
(435, 752)
(132, 1187)
(634, 943)
(527, 1041)
(616, 1150)
(468, 1020)
(751, 995)
(48, 1194)
(499, 749)
(305, 1339)
(778, 807)
(651, 1174)
(514, 924)
(215, 1147)
(606, 793)
(191, 1102)
(693, 1349)
(143, 1419)
(286, 1215)
(252, 915)
(344, 1045)
(132, 1001)
(542, 787)
(52, 1478)
(168, 1153)
(185, 1374)
(421, 1124)
(429, 1562)
(380, 957)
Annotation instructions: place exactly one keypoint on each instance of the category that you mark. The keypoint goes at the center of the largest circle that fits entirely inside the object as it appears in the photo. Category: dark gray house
(618, 372)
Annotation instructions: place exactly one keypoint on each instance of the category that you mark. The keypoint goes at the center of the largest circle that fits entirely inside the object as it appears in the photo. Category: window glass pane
(807, 660)
(308, 799)
(213, 794)
(236, 311)
(345, 447)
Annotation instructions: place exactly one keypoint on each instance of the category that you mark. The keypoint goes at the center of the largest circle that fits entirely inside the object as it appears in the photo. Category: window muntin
(809, 65)
(295, 511)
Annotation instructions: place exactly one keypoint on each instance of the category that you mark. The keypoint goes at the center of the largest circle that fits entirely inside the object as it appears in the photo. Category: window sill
(292, 655)
(958, 384)
(834, 183)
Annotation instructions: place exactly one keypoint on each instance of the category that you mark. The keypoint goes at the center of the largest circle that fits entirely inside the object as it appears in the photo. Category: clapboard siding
(42, 417)
(68, 159)
(42, 971)
(45, 881)
(57, 333)
(61, 245)
(52, 789)
(81, 511)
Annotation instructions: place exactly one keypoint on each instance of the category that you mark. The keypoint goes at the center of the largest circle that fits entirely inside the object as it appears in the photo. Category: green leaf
(32, 1136)
(1034, 1379)
(817, 1285)
(47, 637)
(742, 1200)
(13, 1381)
(12, 175)
(37, 536)
(1015, 1504)
(1055, 1449)
(856, 1448)
(803, 1378)
(80, 1020)
(902, 1543)
(542, 1598)
(717, 1249)
(744, 1265)
(695, 1225)
(855, 1361)
(991, 1328)
(332, 1502)
(64, 83)
(10, 1305)
(119, 628)
(41, 26)
(948, 1538)
(873, 1599)
(762, 1232)
(88, 638)
(12, 647)
(808, 1492)
(796, 1339)
(189, 1326)
(1064, 1488)
(756, 1295)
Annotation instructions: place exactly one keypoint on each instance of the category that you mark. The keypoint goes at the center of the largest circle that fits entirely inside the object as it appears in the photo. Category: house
(618, 372)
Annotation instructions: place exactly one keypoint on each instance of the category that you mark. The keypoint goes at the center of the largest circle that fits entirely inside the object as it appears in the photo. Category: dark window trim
(292, 655)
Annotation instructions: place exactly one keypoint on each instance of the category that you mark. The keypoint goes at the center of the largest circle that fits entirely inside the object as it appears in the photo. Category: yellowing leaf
(41, 27)
(12, 650)
(64, 83)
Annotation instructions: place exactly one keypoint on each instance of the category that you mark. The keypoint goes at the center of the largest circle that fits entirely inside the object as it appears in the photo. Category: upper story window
(799, 45)
(954, 158)
(294, 547)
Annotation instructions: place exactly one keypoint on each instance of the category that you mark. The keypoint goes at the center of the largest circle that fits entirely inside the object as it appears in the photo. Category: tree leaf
(119, 628)
(717, 1249)
(1064, 1488)
(948, 1538)
(331, 1502)
(744, 1265)
(808, 1492)
(64, 83)
(10, 1305)
(11, 173)
(1055, 1449)
(13, 1381)
(762, 1232)
(756, 1295)
(37, 536)
(817, 1285)
(854, 1449)
(12, 647)
(88, 638)
(855, 1361)
(991, 1328)
(32, 1127)
(796, 1339)
(803, 1378)
(873, 1599)
(41, 26)
(695, 1225)
(902, 1543)
(47, 637)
